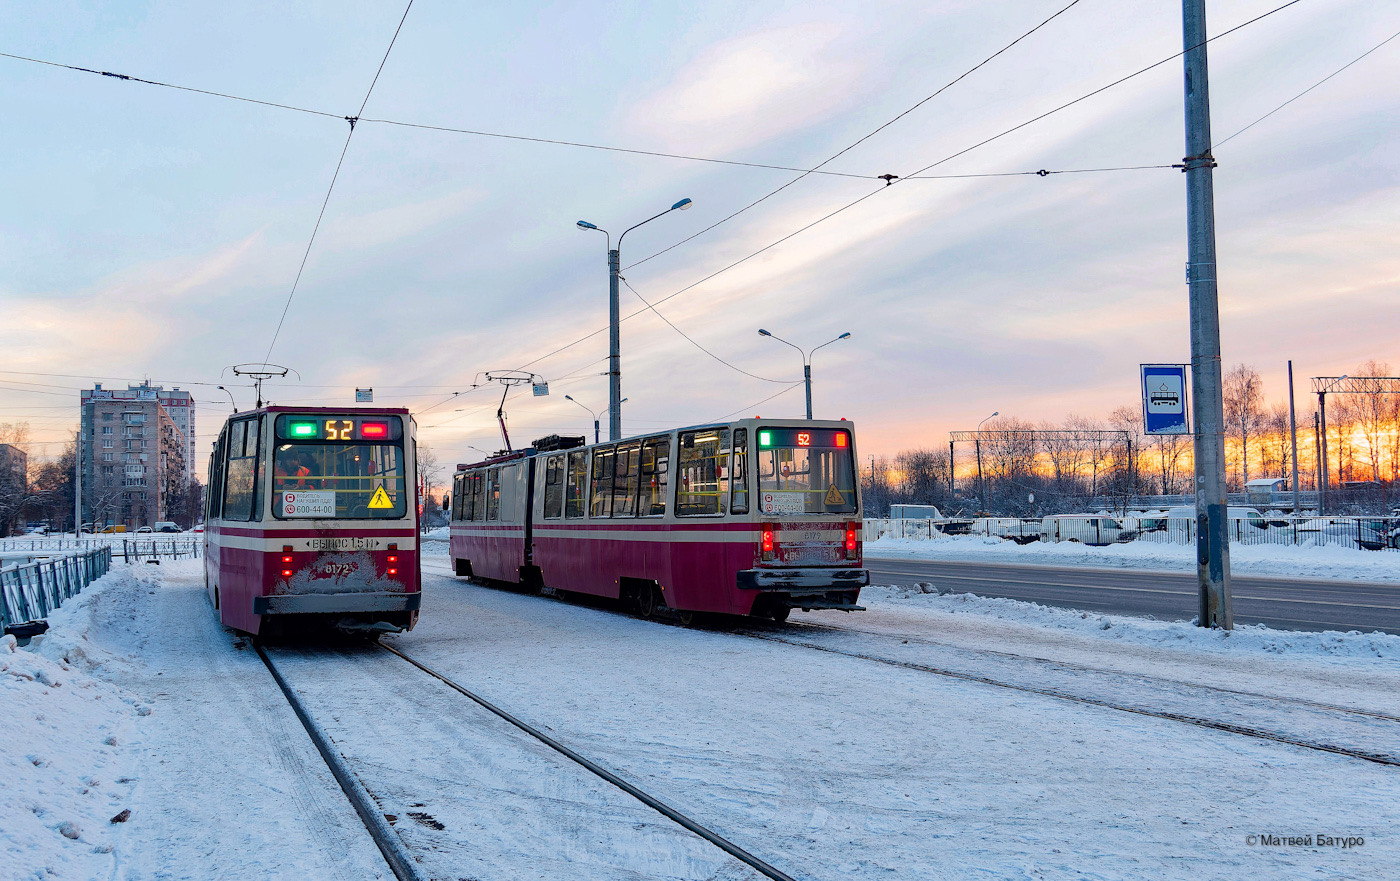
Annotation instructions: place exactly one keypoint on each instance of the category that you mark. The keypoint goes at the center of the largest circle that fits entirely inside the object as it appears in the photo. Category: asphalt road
(1285, 603)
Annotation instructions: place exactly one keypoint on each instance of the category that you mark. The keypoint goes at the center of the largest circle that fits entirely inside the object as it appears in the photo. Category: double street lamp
(591, 413)
(615, 319)
(806, 361)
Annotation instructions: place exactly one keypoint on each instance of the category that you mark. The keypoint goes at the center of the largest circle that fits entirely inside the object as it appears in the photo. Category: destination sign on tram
(348, 427)
(821, 438)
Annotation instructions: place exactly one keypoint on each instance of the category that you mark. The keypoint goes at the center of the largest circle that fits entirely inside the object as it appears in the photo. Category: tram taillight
(851, 540)
(374, 430)
(767, 542)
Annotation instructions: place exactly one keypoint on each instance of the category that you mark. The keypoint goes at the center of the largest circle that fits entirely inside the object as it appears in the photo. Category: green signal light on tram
(302, 429)
(765, 439)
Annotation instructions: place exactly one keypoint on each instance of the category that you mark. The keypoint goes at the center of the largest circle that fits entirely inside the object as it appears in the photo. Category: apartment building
(135, 456)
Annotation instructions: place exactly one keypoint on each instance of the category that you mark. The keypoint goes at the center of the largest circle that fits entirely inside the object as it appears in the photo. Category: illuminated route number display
(819, 438)
(339, 428)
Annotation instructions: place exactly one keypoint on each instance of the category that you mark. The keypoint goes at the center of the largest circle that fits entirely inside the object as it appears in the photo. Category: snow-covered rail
(407, 863)
(1360, 734)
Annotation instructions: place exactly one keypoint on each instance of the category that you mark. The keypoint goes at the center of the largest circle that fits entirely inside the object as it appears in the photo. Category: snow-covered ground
(1298, 562)
(826, 765)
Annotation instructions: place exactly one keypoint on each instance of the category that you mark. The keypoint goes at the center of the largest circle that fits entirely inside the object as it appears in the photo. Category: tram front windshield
(805, 471)
(339, 481)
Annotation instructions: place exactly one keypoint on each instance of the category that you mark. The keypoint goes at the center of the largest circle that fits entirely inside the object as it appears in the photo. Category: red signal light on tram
(393, 572)
(286, 573)
(840, 438)
(374, 430)
(393, 558)
(766, 543)
(286, 559)
(851, 540)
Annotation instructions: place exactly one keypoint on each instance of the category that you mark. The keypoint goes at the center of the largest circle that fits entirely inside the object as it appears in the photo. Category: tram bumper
(340, 603)
(808, 587)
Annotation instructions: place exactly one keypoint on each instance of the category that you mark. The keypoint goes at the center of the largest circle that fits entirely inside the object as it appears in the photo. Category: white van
(1244, 522)
(1090, 529)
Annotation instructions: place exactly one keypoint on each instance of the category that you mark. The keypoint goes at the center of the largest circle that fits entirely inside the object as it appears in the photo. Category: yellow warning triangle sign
(833, 496)
(381, 499)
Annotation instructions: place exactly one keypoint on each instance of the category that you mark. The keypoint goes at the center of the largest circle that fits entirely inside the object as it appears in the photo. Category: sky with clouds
(152, 232)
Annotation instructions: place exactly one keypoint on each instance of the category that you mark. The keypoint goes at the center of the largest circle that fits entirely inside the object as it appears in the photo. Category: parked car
(1368, 535)
(116, 527)
(1090, 529)
(1243, 521)
(166, 526)
(140, 529)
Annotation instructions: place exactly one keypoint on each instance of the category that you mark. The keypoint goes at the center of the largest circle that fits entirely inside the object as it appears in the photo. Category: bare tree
(1065, 453)
(1244, 401)
(1275, 447)
(1375, 413)
(925, 475)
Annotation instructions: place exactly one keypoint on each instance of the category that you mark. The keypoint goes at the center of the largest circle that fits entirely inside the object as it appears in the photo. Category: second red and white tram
(311, 517)
(754, 517)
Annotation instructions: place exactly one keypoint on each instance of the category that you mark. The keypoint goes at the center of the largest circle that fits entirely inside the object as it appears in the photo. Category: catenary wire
(692, 341)
(320, 216)
(1309, 88)
(948, 158)
(859, 141)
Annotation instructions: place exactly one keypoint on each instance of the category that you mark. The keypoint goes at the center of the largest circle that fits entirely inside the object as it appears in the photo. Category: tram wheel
(685, 618)
(645, 601)
(779, 613)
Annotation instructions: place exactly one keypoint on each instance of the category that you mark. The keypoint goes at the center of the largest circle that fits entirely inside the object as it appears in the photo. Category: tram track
(1390, 759)
(1072, 665)
(401, 861)
(777, 633)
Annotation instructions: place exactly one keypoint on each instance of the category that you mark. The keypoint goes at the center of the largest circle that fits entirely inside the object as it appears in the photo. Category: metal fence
(30, 592)
(144, 547)
(1356, 533)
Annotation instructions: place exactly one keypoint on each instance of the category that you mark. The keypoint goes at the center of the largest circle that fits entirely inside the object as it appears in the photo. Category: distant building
(14, 486)
(136, 458)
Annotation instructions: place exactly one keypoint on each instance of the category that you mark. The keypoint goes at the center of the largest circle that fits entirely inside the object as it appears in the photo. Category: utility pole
(78, 485)
(1323, 478)
(1212, 538)
(952, 486)
(807, 377)
(1293, 429)
(614, 345)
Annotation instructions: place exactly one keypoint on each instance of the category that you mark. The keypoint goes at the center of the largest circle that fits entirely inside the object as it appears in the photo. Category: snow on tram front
(311, 519)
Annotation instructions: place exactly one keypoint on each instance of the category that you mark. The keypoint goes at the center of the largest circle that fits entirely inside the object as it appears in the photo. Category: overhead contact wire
(334, 177)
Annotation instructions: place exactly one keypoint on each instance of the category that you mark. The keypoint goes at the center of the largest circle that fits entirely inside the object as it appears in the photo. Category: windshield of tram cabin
(341, 470)
(805, 471)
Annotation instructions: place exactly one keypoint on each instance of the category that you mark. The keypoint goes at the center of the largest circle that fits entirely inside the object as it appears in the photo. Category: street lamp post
(615, 318)
(591, 413)
(982, 483)
(806, 361)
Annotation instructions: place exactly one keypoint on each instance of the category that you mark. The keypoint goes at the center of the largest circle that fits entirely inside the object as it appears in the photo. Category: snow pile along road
(1245, 638)
(1331, 563)
(66, 765)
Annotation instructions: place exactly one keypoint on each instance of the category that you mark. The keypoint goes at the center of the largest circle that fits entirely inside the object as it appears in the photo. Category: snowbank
(1247, 638)
(65, 762)
(1331, 563)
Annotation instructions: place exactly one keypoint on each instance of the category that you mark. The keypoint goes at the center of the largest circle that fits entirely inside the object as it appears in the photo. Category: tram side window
(739, 476)
(656, 463)
(240, 497)
(625, 474)
(478, 496)
(493, 494)
(215, 502)
(603, 461)
(457, 480)
(576, 484)
(554, 487)
(703, 484)
(508, 490)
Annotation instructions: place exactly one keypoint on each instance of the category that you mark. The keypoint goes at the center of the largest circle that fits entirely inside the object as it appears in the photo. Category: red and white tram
(753, 517)
(311, 517)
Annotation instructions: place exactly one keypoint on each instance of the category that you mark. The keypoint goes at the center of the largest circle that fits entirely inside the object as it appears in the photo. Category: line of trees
(1029, 469)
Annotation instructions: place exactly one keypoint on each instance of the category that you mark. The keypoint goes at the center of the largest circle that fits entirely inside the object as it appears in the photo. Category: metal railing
(138, 550)
(30, 592)
(1357, 533)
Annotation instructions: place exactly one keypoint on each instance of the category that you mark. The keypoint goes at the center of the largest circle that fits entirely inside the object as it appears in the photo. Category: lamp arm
(648, 220)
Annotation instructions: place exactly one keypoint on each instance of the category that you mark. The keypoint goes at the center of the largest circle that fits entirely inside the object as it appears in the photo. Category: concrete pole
(1212, 540)
(807, 375)
(952, 474)
(981, 482)
(614, 348)
(1293, 429)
